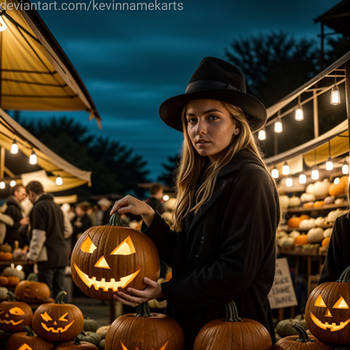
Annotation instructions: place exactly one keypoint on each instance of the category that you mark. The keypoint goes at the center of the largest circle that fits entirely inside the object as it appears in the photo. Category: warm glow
(88, 246)
(166, 197)
(262, 135)
(12, 183)
(341, 304)
(329, 165)
(315, 174)
(33, 159)
(46, 317)
(59, 181)
(19, 267)
(16, 311)
(335, 95)
(319, 302)
(102, 263)
(285, 169)
(299, 114)
(2, 185)
(3, 25)
(345, 169)
(289, 182)
(278, 127)
(14, 147)
(25, 347)
(302, 179)
(275, 173)
(124, 248)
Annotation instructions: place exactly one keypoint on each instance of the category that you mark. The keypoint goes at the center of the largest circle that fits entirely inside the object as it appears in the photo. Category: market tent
(49, 165)
(35, 73)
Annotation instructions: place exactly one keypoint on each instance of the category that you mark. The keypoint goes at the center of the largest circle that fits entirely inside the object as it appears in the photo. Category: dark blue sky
(132, 61)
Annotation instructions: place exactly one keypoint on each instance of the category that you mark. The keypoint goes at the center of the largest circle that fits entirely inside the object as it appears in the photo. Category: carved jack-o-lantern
(108, 258)
(15, 315)
(144, 331)
(32, 291)
(58, 322)
(27, 341)
(327, 311)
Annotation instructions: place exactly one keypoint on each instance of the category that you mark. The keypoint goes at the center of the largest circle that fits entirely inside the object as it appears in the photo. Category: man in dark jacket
(17, 231)
(155, 199)
(47, 246)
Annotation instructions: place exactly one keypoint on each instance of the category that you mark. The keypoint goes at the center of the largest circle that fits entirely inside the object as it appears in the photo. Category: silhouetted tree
(168, 177)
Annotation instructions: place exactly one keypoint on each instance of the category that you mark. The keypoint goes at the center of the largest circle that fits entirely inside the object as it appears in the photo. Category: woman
(222, 248)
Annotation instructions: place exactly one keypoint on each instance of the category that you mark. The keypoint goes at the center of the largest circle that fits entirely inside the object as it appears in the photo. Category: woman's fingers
(130, 298)
(124, 202)
(124, 301)
(150, 282)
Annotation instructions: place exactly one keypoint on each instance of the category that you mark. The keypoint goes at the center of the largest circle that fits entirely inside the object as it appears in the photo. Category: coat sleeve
(249, 222)
(164, 238)
(12, 212)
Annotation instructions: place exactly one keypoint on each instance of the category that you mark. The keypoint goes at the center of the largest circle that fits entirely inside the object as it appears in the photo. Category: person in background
(222, 248)
(5, 221)
(18, 231)
(81, 222)
(47, 246)
(102, 216)
(155, 199)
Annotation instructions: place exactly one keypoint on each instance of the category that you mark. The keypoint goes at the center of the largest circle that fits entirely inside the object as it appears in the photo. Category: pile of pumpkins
(10, 277)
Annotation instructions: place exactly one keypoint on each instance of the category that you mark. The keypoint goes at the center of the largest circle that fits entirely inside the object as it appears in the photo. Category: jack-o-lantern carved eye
(63, 317)
(88, 246)
(16, 311)
(162, 348)
(319, 302)
(341, 304)
(46, 317)
(25, 347)
(124, 248)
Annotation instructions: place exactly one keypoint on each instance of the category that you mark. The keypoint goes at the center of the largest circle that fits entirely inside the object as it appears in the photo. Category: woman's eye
(192, 121)
(212, 117)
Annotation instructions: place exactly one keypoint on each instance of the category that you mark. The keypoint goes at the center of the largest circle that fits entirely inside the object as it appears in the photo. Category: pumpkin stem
(143, 310)
(29, 331)
(232, 312)
(32, 277)
(60, 296)
(11, 296)
(115, 220)
(345, 276)
(303, 337)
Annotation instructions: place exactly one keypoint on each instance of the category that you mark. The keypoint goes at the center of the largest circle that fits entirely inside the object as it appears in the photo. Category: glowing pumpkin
(327, 311)
(58, 322)
(14, 315)
(233, 333)
(144, 331)
(27, 341)
(108, 258)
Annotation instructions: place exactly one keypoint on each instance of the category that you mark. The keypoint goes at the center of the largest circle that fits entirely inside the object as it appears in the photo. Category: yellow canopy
(35, 73)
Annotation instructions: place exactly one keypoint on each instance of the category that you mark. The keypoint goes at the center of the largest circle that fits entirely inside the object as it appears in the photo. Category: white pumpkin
(319, 221)
(281, 234)
(284, 201)
(315, 235)
(294, 234)
(294, 201)
(12, 271)
(320, 188)
(327, 232)
(307, 197)
(310, 188)
(3, 293)
(334, 214)
(307, 224)
(170, 204)
(329, 200)
(285, 242)
(339, 201)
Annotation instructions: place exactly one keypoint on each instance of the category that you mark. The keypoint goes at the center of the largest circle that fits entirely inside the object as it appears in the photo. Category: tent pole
(315, 110)
(2, 162)
(347, 95)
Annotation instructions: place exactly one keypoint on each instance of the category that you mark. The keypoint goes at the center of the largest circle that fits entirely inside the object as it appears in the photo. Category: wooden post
(2, 162)
(315, 113)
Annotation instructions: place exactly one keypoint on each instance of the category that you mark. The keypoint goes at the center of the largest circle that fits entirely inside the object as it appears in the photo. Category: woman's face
(209, 126)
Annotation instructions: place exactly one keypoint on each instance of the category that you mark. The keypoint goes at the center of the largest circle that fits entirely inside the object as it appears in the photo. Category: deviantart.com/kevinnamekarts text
(94, 5)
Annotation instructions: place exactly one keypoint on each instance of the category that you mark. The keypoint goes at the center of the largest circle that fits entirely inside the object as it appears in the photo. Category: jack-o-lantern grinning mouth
(333, 327)
(58, 329)
(103, 284)
(14, 323)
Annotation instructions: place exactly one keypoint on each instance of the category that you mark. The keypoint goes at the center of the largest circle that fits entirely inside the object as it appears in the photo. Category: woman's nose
(201, 127)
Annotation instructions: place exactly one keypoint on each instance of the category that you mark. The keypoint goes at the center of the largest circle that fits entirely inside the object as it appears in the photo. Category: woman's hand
(132, 205)
(134, 297)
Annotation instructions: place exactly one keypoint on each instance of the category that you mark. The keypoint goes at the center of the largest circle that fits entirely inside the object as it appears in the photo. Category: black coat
(15, 232)
(225, 252)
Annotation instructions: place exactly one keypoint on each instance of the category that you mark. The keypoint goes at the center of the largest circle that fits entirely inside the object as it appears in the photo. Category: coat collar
(224, 177)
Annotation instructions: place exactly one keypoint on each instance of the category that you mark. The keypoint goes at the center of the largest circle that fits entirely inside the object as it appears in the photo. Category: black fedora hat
(218, 80)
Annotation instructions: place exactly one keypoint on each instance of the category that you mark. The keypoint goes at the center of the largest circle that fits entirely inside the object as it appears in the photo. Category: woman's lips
(202, 143)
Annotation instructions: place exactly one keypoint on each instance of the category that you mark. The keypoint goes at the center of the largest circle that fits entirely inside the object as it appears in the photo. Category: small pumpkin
(294, 222)
(5, 256)
(325, 242)
(14, 315)
(315, 235)
(58, 322)
(90, 337)
(294, 234)
(286, 242)
(3, 293)
(233, 333)
(307, 197)
(159, 332)
(12, 271)
(329, 200)
(327, 232)
(102, 331)
(102, 344)
(307, 224)
(319, 221)
(284, 202)
(308, 205)
(12, 281)
(336, 189)
(76, 344)
(334, 214)
(294, 202)
(284, 328)
(318, 204)
(5, 248)
(300, 240)
(32, 291)
(3, 281)
(90, 325)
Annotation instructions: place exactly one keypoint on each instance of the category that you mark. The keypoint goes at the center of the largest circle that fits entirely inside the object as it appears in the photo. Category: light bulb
(345, 169)
(336, 180)
(165, 197)
(12, 183)
(278, 128)
(335, 95)
(329, 165)
(262, 135)
(33, 159)
(3, 25)
(59, 181)
(19, 267)
(289, 182)
(299, 114)
(285, 169)
(2, 185)
(275, 173)
(14, 147)
(302, 179)
(315, 174)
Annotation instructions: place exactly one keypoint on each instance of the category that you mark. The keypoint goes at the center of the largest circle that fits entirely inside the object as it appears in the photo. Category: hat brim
(255, 111)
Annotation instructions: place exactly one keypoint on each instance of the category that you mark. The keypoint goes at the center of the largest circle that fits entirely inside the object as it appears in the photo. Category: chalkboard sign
(282, 293)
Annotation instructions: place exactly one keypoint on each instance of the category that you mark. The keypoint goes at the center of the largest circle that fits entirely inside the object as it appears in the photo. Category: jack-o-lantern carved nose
(102, 263)
(328, 313)
(55, 323)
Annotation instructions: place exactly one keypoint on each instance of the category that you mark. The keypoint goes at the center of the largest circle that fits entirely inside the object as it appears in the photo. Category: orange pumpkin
(294, 222)
(325, 242)
(319, 204)
(12, 281)
(308, 205)
(3, 281)
(304, 217)
(5, 256)
(337, 189)
(300, 240)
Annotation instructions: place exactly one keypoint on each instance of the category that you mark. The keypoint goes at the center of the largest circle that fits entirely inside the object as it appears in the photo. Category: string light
(2, 185)
(329, 163)
(285, 169)
(335, 93)
(315, 175)
(302, 179)
(336, 180)
(345, 169)
(14, 147)
(13, 183)
(59, 181)
(278, 126)
(299, 113)
(289, 182)
(262, 135)
(165, 197)
(275, 173)
(33, 159)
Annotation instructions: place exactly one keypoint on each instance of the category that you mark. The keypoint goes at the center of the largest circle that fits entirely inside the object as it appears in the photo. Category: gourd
(315, 235)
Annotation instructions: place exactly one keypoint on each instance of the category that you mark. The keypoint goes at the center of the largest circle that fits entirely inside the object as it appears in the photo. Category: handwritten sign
(282, 293)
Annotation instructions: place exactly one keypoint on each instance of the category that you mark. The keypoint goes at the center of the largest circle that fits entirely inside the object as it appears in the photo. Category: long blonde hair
(192, 166)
